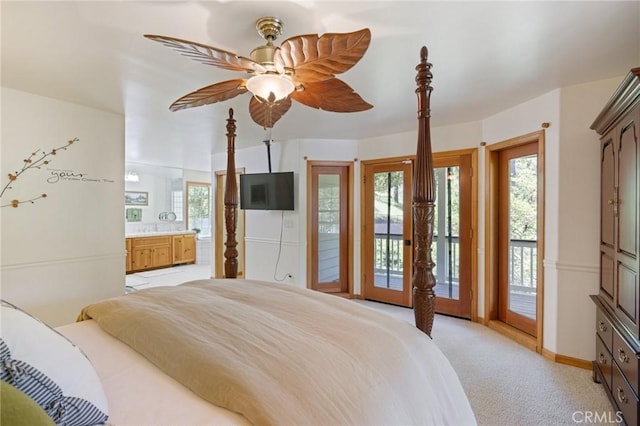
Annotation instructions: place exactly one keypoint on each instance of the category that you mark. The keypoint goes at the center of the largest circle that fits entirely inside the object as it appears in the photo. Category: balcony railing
(522, 266)
(523, 257)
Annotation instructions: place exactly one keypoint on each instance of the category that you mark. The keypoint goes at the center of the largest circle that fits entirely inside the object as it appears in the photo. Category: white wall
(268, 256)
(66, 250)
(577, 264)
(196, 176)
(262, 228)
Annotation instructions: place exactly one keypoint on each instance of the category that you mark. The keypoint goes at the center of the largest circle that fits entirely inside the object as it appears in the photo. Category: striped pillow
(48, 368)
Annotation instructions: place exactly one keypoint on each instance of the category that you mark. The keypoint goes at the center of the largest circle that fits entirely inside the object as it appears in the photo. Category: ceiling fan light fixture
(263, 85)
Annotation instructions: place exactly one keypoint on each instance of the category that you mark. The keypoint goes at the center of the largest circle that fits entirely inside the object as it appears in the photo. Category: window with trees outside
(199, 208)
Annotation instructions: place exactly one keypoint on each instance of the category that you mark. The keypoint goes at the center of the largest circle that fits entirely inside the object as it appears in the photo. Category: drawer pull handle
(602, 359)
(621, 396)
(623, 357)
(602, 326)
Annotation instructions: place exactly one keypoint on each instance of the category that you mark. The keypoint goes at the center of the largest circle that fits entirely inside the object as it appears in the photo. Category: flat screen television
(266, 191)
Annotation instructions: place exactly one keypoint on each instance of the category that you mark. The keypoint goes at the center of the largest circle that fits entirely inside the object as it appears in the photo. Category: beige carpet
(508, 384)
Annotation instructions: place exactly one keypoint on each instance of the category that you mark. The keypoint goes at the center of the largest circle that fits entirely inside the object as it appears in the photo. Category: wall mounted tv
(266, 191)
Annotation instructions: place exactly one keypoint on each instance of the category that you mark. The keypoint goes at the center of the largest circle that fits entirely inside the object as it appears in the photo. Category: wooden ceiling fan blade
(319, 58)
(331, 95)
(211, 94)
(209, 55)
(267, 115)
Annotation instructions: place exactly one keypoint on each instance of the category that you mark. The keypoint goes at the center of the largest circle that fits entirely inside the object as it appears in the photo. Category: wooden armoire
(618, 298)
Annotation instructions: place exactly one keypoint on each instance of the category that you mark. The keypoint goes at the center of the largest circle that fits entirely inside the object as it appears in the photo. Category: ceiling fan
(302, 68)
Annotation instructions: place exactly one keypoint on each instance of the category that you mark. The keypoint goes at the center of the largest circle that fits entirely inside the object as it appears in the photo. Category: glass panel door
(452, 243)
(518, 237)
(388, 248)
(522, 235)
(388, 230)
(445, 245)
(329, 227)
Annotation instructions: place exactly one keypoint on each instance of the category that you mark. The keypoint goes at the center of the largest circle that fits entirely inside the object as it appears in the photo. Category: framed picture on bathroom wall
(134, 214)
(135, 198)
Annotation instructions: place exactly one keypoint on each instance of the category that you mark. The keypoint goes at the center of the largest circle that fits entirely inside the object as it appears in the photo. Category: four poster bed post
(423, 204)
(231, 203)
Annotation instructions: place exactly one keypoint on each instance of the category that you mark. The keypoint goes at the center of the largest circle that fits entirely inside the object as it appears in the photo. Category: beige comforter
(283, 355)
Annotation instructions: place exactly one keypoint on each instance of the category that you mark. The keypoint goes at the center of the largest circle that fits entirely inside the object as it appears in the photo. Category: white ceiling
(487, 56)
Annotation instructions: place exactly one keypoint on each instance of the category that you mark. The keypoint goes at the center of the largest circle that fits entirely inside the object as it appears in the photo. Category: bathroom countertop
(157, 233)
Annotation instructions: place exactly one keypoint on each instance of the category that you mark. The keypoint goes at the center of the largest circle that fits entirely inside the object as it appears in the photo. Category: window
(177, 204)
(199, 207)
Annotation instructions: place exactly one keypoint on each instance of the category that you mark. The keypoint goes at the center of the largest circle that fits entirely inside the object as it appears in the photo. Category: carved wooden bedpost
(231, 203)
(423, 204)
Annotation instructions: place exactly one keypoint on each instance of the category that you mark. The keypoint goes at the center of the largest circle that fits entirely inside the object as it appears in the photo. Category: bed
(424, 195)
(243, 352)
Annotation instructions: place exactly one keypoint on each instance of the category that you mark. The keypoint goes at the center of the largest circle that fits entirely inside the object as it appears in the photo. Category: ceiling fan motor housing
(264, 55)
(269, 28)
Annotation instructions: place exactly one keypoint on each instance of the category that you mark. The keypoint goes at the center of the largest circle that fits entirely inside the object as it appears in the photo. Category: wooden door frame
(473, 220)
(403, 298)
(473, 152)
(491, 274)
(349, 165)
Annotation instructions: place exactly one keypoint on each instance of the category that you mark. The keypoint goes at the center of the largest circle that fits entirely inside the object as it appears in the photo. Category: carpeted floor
(508, 384)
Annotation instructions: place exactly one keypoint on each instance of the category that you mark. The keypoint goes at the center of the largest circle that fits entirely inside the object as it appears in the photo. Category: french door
(388, 231)
(452, 245)
(328, 211)
(387, 240)
(517, 237)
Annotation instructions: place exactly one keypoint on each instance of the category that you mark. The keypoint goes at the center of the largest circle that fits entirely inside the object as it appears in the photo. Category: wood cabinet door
(607, 219)
(141, 258)
(127, 246)
(627, 197)
(184, 249)
(177, 248)
(161, 256)
(627, 252)
(189, 248)
(607, 192)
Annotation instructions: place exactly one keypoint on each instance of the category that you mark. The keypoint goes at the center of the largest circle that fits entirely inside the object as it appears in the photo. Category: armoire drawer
(603, 359)
(604, 329)
(626, 359)
(625, 398)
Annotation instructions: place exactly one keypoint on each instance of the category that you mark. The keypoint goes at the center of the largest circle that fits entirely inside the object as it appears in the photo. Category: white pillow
(36, 348)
